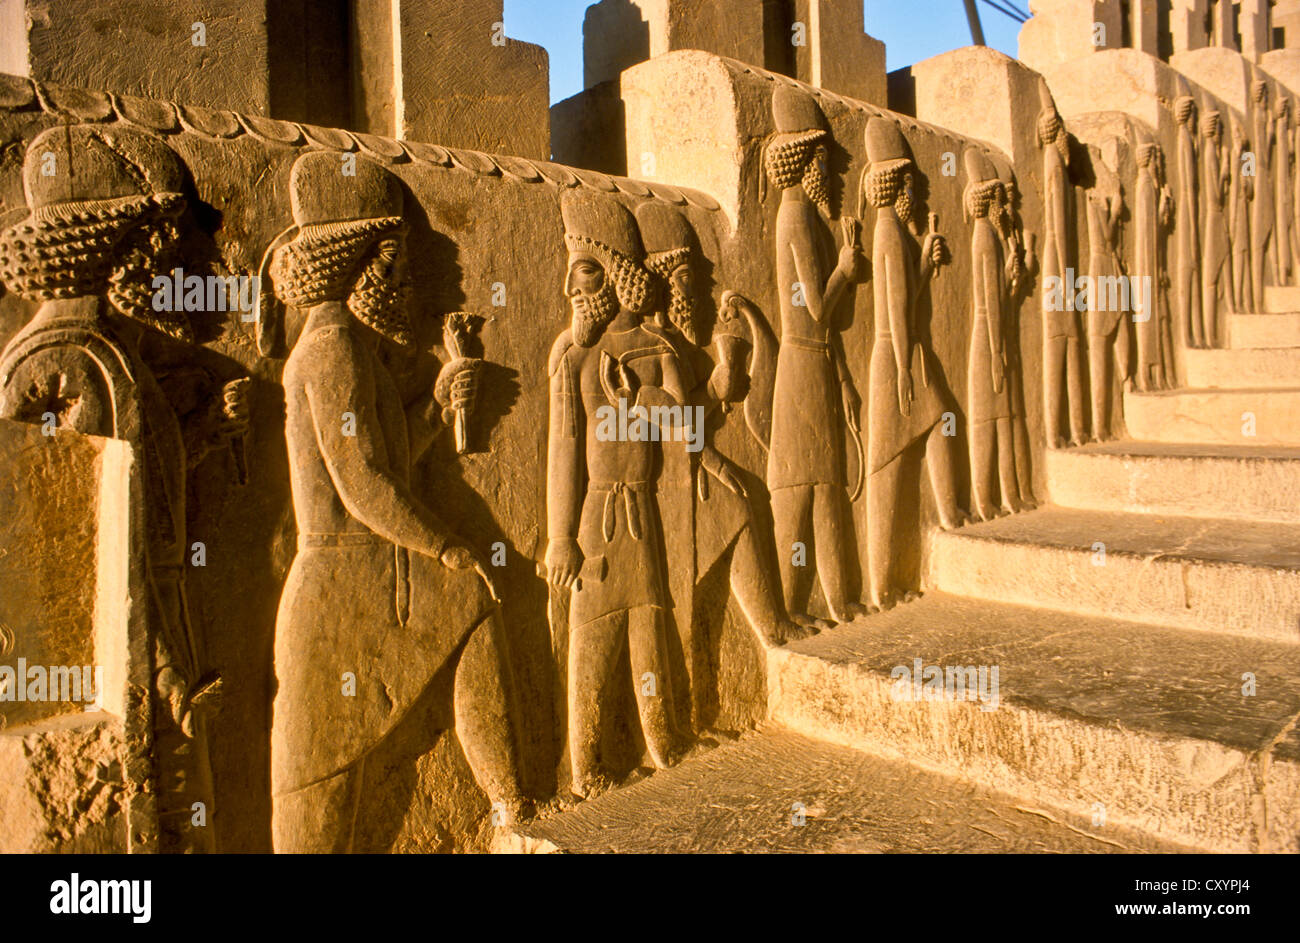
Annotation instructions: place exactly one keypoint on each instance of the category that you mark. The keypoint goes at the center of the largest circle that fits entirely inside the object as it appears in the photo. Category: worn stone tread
(740, 798)
(1169, 682)
(1211, 540)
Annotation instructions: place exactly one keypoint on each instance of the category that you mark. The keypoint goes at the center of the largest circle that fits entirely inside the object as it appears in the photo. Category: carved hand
(724, 471)
(563, 561)
(905, 395)
(457, 386)
(999, 369)
(852, 263)
(234, 411)
(935, 250)
(460, 557)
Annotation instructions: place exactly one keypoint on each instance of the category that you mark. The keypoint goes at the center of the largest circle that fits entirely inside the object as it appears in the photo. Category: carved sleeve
(351, 441)
(898, 292)
(809, 270)
(565, 471)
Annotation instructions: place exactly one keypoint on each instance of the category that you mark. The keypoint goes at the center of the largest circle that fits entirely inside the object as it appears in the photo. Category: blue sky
(912, 30)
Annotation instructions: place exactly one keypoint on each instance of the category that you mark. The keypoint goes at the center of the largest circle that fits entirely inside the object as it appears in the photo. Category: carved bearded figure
(905, 404)
(602, 515)
(380, 588)
(994, 485)
(1062, 379)
(1216, 275)
(102, 224)
(1108, 319)
(1263, 245)
(814, 403)
(1187, 235)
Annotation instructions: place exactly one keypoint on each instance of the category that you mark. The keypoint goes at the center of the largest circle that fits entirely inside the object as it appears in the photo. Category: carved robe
(807, 417)
(359, 599)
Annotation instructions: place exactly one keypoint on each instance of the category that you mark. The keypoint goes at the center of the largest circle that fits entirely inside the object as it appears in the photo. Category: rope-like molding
(18, 93)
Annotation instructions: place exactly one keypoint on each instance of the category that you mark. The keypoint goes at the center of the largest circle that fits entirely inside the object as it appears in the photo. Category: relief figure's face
(592, 298)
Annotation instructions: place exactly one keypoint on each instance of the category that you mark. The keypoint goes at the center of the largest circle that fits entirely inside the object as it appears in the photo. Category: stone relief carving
(1216, 264)
(1152, 217)
(906, 403)
(1282, 169)
(691, 323)
(1187, 271)
(1108, 323)
(98, 227)
(1263, 247)
(1062, 377)
(1022, 266)
(603, 521)
(714, 500)
(1240, 197)
(994, 486)
(381, 597)
(815, 402)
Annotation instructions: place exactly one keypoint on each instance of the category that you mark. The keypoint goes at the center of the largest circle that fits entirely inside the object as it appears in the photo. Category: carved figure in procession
(1062, 378)
(1263, 218)
(382, 596)
(1216, 265)
(602, 516)
(714, 503)
(1187, 262)
(1241, 194)
(1283, 235)
(100, 227)
(1295, 193)
(1022, 265)
(994, 488)
(1148, 197)
(814, 401)
(1108, 320)
(906, 404)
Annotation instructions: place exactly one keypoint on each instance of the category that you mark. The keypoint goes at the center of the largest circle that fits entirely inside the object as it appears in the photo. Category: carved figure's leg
(648, 657)
(882, 496)
(1074, 391)
(485, 721)
(594, 649)
(319, 818)
(941, 461)
(792, 510)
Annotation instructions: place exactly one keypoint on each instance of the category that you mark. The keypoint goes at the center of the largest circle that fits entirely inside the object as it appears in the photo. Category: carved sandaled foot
(590, 786)
(809, 623)
(850, 612)
(953, 521)
(790, 631)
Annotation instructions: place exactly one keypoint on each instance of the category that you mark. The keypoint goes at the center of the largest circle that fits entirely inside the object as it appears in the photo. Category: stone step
(1150, 722)
(1239, 482)
(1207, 574)
(741, 797)
(1215, 417)
(1246, 367)
(1264, 330)
(1281, 299)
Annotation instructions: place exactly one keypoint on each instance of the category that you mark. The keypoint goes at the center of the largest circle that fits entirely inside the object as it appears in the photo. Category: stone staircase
(1146, 630)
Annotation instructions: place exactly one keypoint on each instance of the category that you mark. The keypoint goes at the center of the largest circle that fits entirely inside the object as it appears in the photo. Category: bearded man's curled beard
(904, 206)
(816, 185)
(378, 300)
(681, 312)
(591, 313)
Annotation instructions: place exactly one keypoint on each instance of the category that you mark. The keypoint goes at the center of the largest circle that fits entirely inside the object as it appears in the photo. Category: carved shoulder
(559, 351)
